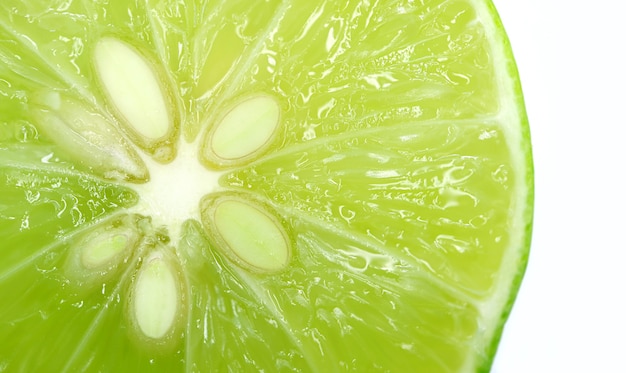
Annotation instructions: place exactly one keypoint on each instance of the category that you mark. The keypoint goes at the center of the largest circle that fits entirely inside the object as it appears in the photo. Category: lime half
(312, 186)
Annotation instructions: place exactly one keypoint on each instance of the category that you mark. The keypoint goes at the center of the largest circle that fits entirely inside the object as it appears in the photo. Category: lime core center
(173, 193)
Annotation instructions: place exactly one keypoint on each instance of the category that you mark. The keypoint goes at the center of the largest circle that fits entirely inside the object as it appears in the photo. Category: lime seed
(133, 87)
(100, 252)
(247, 232)
(86, 136)
(244, 131)
(155, 297)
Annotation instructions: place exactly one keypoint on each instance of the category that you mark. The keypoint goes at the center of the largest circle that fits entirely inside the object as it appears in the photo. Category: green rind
(525, 145)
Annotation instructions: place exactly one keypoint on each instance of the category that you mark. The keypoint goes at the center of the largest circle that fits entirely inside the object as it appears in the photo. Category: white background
(571, 310)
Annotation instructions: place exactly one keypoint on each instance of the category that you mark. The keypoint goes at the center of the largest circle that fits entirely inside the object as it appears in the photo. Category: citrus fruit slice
(292, 185)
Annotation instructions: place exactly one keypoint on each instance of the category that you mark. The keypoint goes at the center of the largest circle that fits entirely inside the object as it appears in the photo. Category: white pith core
(174, 191)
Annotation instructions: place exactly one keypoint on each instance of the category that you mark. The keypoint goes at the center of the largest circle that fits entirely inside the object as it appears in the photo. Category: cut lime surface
(258, 186)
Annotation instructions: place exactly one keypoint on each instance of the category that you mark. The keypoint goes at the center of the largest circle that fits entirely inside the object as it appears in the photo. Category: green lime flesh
(400, 172)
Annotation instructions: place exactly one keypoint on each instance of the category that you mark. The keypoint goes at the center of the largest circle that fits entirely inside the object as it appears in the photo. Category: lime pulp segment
(259, 186)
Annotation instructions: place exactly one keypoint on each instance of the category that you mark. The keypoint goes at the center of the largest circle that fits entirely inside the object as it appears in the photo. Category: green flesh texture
(401, 172)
